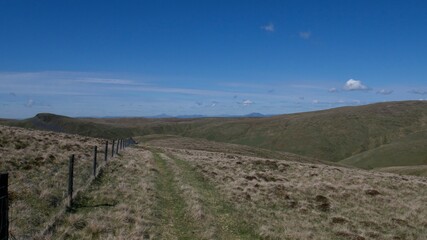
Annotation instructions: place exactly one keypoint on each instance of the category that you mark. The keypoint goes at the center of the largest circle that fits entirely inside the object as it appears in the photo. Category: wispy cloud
(29, 103)
(419, 92)
(336, 103)
(105, 81)
(214, 103)
(333, 90)
(305, 35)
(246, 102)
(354, 85)
(385, 92)
(268, 28)
(306, 86)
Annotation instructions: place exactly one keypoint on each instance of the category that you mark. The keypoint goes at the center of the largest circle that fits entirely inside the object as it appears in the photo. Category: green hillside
(407, 151)
(332, 135)
(370, 136)
(57, 123)
(375, 135)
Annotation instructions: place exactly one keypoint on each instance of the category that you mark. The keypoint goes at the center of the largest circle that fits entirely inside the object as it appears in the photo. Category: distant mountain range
(250, 115)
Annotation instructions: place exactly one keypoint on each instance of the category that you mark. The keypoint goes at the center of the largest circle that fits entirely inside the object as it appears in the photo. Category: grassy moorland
(170, 187)
(37, 162)
(372, 136)
(165, 191)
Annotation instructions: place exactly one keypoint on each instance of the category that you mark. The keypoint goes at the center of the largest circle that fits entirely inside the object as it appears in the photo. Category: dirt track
(171, 193)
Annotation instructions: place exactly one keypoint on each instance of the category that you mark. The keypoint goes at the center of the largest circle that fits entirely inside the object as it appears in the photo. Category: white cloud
(214, 103)
(269, 27)
(305, 35)
(247, 102)
(30, 103)
(333, 90)
(385, 92)
(354, 85)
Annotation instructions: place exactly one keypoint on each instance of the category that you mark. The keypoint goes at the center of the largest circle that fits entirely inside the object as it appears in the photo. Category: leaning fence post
(95, 153)
(112, 150)
(70, 181)
(4, 206)
(106, 151)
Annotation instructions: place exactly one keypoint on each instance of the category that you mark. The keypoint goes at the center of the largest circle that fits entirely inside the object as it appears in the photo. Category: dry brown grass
(289, 200)
(119, 205)
(178, 142)
(37, 163)
(225, 192)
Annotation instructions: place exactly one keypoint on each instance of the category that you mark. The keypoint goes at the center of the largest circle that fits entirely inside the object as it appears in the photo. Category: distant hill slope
(370, 136)
(333, 134)
(57, 123)
(410, 150)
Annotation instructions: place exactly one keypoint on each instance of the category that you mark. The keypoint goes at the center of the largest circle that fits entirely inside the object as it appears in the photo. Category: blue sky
(142, 58)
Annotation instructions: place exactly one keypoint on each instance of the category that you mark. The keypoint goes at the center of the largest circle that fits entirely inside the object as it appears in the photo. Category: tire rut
(194, 208)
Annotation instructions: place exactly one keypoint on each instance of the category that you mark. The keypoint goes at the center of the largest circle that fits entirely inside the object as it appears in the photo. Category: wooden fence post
(4, 207)
(117, 150)
(106, 152)
(95, 153)
(70, 181)
(112, 150)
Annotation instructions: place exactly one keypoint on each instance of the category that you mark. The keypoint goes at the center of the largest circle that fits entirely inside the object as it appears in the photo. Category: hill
(176, 187)
(331, 135)
(369, 136)
(163, 189)
(410, 150)
(57, 123)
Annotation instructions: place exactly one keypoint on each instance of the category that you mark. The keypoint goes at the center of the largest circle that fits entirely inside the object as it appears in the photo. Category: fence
(4, 216)
(72, 191)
